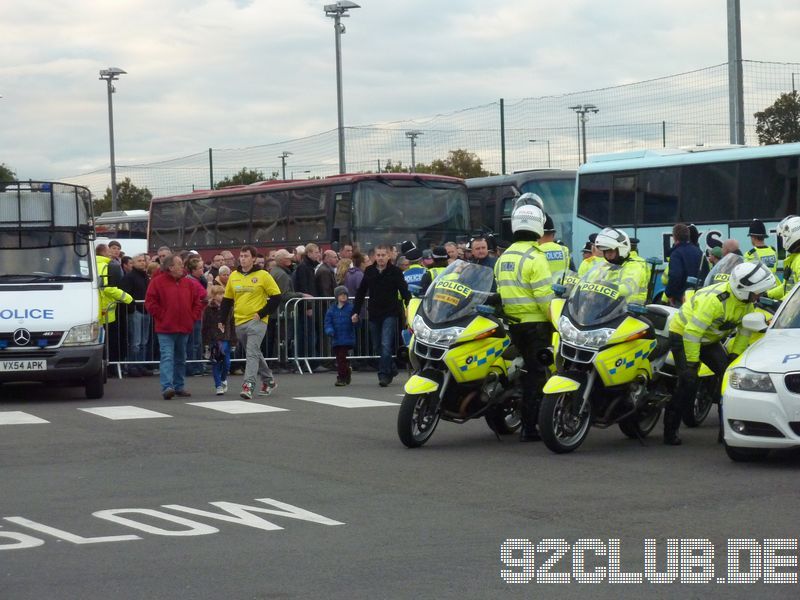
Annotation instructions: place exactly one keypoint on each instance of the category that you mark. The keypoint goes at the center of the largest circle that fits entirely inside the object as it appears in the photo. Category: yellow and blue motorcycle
(607, 355)
(465, 366)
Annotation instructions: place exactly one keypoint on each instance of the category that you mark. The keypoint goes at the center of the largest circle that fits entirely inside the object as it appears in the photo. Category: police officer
(590, 261)
(439, 254)
(413, 274)
(634, 277)
(789, 230)
(760, 250)
(523, 281)
(557, 255)
(698, 330)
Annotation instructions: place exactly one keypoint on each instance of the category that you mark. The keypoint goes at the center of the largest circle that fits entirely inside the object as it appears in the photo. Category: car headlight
(750, 381)
(438, 337)
(82, 335)
(594, 338)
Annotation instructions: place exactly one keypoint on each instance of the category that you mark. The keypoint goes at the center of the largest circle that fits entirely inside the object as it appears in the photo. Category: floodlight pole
(580, 111)
(109, 75)
(284, 155)
(413, 135)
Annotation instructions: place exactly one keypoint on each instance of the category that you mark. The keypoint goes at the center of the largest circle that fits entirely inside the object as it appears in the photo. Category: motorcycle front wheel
(417, 419)
(561, 425)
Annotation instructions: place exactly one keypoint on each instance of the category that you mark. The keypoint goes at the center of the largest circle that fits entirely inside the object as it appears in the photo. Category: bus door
(342, 215)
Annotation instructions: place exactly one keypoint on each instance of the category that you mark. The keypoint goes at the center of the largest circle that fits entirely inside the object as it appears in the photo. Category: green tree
(129, 197)
(6, 174)
(779, 123)
(245, 177)
(459, 163)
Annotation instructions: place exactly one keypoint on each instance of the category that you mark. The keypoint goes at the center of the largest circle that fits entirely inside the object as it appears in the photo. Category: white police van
(49, 301)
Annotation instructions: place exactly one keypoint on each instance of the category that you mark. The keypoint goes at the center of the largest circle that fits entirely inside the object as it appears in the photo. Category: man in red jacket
(174, 303)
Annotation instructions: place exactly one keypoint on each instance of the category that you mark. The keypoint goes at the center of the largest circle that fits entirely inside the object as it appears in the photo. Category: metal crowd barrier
(296, 336)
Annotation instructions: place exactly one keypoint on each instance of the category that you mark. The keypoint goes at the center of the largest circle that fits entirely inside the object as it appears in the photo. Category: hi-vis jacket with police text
(589, 263)
(766, 254)
(712, 314)
(524, 282)
(414, 273)
(109, 294)
(557, 255)
(635, 278)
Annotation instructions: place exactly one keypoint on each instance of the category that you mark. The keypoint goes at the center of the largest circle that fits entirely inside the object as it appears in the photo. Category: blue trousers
(383, 333)
(172, 368)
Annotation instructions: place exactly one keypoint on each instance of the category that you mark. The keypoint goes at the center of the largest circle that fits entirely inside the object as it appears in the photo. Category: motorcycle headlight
(750, 381)
(594, 338)
(438, 337)
(82, 335)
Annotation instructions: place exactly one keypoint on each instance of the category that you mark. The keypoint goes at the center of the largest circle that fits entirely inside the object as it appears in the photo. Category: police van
(49, 300)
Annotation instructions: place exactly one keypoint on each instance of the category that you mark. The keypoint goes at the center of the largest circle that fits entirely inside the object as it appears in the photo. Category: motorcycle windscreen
(600, 296)
(721, 271)
(457, 291)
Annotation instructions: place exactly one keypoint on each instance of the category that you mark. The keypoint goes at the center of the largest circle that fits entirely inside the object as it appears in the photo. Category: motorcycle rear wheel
(639, 425)
(417, 419)
(503, 420)
(697, 412)
(561, 427)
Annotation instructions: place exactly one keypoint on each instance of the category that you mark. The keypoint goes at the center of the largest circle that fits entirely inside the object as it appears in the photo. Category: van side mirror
(755, 321)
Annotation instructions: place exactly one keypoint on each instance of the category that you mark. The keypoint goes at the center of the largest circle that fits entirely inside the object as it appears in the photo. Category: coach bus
(720, 190)
(366, 209)
(492, 198)
(128, 227)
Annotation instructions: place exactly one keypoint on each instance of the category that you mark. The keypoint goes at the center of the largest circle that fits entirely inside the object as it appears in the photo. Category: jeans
(220, 368)
(342, 364)
(250, 335)
(172, 368)
(138, 336)
(194, 349)
(382, 333)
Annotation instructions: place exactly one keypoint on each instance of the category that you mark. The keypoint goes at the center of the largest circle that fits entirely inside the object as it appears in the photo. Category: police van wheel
(696, 413)
(94, 385)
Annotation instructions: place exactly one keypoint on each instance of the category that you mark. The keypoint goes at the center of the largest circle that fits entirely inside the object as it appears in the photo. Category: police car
(761, 389)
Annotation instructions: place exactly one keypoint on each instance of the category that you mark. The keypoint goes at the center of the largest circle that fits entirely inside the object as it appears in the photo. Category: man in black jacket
(135, 283)
(383, 282)
(305, 283)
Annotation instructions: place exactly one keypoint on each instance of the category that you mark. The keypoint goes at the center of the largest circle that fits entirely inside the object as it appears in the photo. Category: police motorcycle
(465, 366)
(606, 360)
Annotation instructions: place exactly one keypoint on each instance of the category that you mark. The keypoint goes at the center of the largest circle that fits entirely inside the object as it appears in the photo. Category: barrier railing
(295, 336)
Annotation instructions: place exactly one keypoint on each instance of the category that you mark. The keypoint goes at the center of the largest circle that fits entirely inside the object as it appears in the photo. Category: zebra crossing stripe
(346, 401)
(238, 407)
(17, 417)
(121, 413)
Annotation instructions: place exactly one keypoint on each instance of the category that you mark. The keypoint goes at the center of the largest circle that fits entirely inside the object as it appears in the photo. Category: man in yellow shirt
(252, 294)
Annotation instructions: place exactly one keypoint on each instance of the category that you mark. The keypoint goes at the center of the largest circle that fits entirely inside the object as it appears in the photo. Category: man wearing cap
(760, 251)
(413, 274)
(440, 261)
(557, 255)
(590, 261)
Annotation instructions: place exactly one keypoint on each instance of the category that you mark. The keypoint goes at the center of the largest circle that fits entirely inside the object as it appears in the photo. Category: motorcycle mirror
(654, 260)
(692, 281)
(559, 290)
(637, 309)
(415, 290)
(484, 310)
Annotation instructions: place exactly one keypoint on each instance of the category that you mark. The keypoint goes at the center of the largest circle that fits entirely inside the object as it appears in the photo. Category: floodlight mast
(108, 75)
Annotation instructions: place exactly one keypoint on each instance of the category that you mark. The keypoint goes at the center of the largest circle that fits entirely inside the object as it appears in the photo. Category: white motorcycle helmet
(528, 217)
(614, 239)
(528, 199)
(789, 230)
(751, 278)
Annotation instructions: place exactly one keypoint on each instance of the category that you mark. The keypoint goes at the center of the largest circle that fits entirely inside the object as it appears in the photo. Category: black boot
(529, 415)
(672, 421)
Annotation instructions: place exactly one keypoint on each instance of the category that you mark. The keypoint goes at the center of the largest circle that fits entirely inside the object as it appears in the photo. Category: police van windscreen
(43, 255)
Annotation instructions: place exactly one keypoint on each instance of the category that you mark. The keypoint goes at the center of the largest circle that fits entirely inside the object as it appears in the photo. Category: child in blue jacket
(339, 326)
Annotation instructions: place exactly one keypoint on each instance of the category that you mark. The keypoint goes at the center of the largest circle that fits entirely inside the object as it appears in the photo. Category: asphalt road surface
(315, 497)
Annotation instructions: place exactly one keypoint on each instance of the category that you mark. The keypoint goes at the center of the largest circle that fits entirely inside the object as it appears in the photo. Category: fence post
(663, 134)
(210, 170)
(502, 136)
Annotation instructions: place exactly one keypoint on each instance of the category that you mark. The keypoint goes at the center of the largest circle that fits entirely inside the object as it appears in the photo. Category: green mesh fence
(679, 110)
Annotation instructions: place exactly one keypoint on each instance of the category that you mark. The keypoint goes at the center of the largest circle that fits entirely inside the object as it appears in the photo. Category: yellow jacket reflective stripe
(632, 280)
(766, 255)
(791, 264)
(712, 314)
(587, 264)
(557, 256)
(109, 295)
(523, 282)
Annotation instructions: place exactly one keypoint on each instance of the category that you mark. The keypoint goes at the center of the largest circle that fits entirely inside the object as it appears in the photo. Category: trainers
(168, 394)
(183, 393)
(340, 382)
(247, 391)
(224, 386)
(267, 387)
(220, 390)
(383, 381)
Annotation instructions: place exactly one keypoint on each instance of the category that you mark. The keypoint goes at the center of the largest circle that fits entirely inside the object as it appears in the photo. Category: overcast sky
(237, 73)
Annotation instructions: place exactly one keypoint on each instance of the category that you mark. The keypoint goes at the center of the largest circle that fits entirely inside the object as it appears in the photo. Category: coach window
(624, 201)
(342, 216)
(198, 223)
(166, 224)
(269, 218)
(708, 193)
(767, 188)
(233, 220)
(594, 199)
(659, 189)
(307, 215)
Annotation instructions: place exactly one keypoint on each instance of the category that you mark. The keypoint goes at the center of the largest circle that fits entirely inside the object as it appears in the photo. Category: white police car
(761, 390)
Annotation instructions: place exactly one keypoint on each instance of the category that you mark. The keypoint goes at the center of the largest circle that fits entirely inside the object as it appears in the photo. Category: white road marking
(17, 417)
(238, 407)
(118, 413)
(346, 401)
